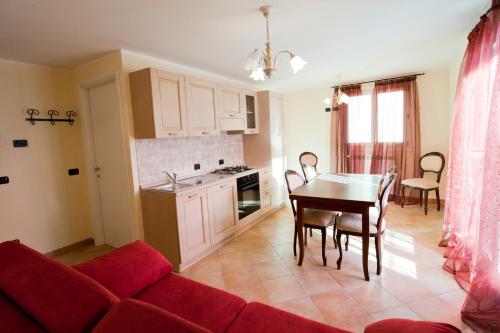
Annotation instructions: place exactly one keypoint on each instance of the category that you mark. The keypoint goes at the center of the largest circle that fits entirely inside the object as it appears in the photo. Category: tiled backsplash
(180, 154)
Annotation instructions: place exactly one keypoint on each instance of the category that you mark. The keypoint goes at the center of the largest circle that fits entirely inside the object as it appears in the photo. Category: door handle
(97, 169)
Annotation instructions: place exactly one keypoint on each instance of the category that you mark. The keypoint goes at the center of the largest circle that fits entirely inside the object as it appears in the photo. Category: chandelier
(263, 64)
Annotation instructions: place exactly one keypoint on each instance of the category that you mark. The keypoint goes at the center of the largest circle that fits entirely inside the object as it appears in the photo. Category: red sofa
(132, 290)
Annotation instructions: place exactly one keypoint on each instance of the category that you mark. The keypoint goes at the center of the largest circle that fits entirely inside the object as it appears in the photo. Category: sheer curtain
(472, 212)
(350, 157)
(397, 136)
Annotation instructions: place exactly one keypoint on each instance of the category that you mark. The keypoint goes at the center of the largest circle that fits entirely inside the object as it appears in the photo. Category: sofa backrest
(133, 316)
(57, 296)
(128, 269)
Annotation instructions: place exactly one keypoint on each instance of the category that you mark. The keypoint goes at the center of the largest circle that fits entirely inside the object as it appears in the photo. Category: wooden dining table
(352, 193)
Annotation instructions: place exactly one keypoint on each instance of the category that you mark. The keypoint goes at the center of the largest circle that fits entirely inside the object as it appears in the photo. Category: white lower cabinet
(193, 221)
(223, 210)
(265, 190)
(186, 226)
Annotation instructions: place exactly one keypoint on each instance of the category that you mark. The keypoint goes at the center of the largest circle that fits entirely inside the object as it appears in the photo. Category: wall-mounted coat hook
(52, 113)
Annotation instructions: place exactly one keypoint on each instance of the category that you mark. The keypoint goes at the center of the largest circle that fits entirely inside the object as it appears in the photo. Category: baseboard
(71, 247)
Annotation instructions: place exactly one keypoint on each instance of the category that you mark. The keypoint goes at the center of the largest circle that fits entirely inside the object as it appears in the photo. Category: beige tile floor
(259, 265)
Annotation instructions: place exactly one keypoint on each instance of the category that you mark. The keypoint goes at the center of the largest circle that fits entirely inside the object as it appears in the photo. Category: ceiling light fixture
(263, 64)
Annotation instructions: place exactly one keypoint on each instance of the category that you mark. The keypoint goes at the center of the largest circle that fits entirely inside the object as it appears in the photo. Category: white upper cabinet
(166, 105)
(202, 107)
(158, 103)
(231, 103)
(251, 112)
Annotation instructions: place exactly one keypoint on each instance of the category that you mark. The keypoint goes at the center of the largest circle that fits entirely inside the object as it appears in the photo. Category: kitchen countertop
(197, 182)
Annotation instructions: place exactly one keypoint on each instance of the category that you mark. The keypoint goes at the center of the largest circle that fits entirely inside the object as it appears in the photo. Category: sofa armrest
(128, 269)
(133, 316)
(409, 326)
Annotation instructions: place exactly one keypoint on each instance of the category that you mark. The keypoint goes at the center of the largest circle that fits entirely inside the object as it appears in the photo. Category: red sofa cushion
(13, 319)
(208, 307)
(409, 326)
(261, 318)
(55, 295)
(128, 269)
(132, 316)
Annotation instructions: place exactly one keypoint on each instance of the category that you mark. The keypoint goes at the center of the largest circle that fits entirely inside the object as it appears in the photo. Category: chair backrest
(438, 170)
(293, 181)
(308, 162)
(387, 184)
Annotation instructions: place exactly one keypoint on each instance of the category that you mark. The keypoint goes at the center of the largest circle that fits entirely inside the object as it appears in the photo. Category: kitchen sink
(171, 187)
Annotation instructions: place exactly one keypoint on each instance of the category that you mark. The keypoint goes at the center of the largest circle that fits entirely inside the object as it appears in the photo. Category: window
(362, 127)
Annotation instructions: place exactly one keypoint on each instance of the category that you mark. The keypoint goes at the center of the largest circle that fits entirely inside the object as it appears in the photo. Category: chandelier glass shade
(262, 64)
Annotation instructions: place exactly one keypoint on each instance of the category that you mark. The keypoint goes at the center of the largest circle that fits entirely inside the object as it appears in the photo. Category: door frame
(89, 150)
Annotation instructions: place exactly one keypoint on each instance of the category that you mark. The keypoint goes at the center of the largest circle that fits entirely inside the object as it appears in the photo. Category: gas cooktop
(232, 170)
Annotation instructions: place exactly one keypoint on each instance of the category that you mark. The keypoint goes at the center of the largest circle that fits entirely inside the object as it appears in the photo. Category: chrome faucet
(172, 176)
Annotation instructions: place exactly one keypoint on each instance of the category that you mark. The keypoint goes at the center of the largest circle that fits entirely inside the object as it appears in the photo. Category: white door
(109, 164)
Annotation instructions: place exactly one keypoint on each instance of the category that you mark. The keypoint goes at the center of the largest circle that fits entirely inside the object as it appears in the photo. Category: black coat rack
(34, 112)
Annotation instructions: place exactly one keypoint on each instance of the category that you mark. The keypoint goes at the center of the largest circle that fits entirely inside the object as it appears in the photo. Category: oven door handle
(248, 187)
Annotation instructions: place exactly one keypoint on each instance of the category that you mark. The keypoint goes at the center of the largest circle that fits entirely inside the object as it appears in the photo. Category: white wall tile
(180, 154)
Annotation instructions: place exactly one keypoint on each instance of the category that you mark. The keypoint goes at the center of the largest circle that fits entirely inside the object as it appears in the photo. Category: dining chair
(308, 162)
(313, 218)
(350, 224)
(373, 210)
(425, 185)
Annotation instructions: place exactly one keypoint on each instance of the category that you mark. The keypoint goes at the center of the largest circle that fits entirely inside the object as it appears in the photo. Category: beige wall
(42, 205)
(307, 125)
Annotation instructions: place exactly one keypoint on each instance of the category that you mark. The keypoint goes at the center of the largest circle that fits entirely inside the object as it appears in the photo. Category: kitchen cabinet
(202, 107)
(251, 113)
(265, 190)
(158, 103)
(223, 210)
(231, 102)
(193, 220)
(266, 148)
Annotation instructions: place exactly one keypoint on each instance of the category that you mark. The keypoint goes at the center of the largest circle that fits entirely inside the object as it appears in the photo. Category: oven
(248, 194)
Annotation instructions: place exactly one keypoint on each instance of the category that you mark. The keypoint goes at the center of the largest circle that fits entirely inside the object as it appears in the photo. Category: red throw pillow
(128, 269)
(57, 296)
(409, 326)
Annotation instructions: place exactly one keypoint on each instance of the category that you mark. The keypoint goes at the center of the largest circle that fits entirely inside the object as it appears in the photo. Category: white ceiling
(358, 39)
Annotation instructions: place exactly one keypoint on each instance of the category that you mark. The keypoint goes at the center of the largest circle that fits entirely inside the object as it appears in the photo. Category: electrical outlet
(221, 161)
(197, 166)
(73, 172)
(18, 143)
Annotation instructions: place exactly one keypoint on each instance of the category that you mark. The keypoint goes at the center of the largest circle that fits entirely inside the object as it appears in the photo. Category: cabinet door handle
(231, 115)
(222, 186)
(172, 133)
(191, 196)
(204, 133)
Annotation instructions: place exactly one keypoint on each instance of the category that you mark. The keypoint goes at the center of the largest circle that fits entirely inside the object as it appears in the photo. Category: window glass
(359, 119)
(390, 117)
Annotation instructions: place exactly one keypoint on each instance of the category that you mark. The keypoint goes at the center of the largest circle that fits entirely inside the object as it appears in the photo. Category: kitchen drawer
(265, 184)
(265, 173)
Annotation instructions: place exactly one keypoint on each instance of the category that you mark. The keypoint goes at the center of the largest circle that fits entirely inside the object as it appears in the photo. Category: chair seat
(423, 183)
(352, 222)
(318, 218)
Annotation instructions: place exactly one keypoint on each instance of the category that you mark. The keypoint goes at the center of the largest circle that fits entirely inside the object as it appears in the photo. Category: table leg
(300, 230)
(366, 241)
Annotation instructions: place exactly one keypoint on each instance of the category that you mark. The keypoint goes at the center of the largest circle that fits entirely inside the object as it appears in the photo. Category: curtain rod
(379, 80)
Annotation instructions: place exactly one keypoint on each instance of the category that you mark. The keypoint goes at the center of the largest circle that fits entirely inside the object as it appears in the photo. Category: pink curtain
(405, 155)
(350, 157)
(472, 212)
